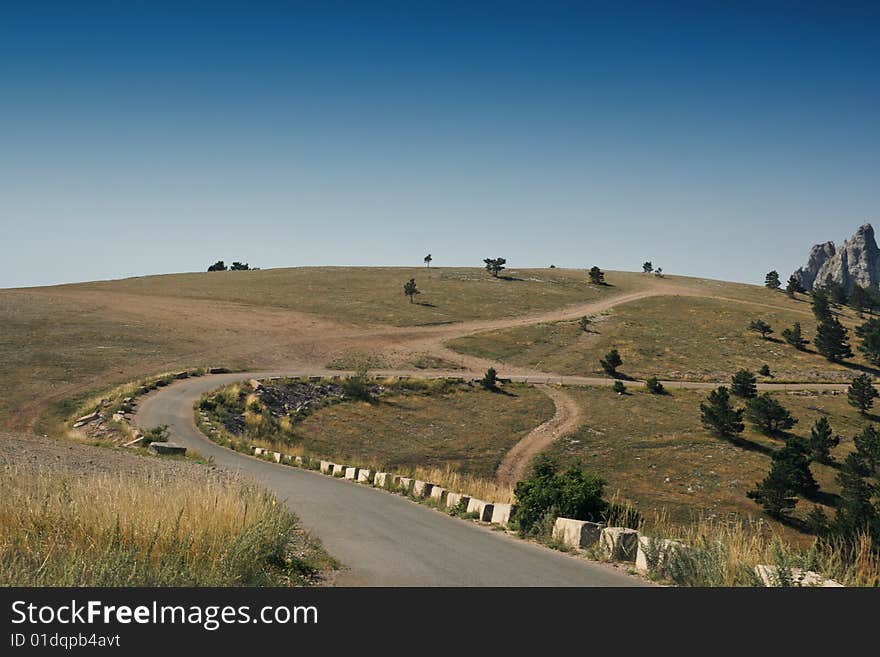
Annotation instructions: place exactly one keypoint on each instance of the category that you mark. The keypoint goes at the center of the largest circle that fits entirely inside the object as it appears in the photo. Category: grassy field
(683, 338)
(653, 450)
(469, 431)
(148, 530)
(410, 424)
(374, 295)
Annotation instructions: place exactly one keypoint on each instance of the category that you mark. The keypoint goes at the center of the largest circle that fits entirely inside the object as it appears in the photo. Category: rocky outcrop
(856, 262)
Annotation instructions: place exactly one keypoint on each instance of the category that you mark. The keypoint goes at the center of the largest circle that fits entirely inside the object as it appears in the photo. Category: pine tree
(744, 384)
(855, 512)
(769, 415)
(793, 287)
(794, 337)
(821, 306)
(410, 289)
(867, 445)
(821, 441)
(858, 299)
(597, 276)
(495, 265)
(427, 260)
(861, 393)
(490, 380)
(653, 385)
(719, 416)
(762, 327)
(618, 387)
(647, 267)
(764, 370)
(831, 340)
(789, 476)
(774, 493)
(772, 280)
(611, 362)
(869, 332)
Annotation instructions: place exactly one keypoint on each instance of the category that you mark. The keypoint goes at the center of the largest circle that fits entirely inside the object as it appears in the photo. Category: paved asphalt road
(382, 539)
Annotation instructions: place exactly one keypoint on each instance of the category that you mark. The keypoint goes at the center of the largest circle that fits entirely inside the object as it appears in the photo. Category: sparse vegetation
(762, 327)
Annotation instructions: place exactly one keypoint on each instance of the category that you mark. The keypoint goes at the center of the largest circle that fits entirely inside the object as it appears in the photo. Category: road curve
(383, 539)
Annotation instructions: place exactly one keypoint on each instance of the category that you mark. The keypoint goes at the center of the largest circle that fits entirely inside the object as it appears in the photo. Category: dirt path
(566, 419)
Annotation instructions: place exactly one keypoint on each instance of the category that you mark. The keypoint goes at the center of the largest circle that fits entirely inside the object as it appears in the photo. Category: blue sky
(147, 137)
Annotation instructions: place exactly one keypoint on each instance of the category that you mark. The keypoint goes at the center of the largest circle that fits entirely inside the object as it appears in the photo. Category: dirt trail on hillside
(220, 333)
(566, 419)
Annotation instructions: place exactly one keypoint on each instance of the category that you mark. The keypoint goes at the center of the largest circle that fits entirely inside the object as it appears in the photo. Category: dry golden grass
(724, 552)
(146, 530)
(374, 295)
(457, 482)
(468, 430)
(675, 338)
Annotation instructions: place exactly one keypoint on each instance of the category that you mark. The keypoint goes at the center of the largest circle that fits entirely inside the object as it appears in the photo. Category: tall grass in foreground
(724, 552)
(147, 530)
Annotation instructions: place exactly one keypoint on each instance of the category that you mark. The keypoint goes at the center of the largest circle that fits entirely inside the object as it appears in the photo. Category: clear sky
(717, 139)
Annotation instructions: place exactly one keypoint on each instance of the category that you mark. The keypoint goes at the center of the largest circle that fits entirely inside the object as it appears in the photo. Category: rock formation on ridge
(857, 261)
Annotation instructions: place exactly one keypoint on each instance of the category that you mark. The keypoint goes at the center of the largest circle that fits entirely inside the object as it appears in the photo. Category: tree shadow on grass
(425, 304)
(749, 445)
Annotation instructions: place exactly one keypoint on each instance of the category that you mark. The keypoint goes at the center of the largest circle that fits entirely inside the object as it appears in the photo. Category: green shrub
(572, 494)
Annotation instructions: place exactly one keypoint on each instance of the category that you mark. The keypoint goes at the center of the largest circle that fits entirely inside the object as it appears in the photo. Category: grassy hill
(671, 337)
(654, 451)
(374, 295)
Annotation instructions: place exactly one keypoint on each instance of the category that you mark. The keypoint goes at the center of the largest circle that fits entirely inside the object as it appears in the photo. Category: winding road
(382, 539)
(387, 540)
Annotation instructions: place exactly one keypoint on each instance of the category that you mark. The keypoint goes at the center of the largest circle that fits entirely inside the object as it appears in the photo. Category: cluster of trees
(832, 337)
(648, 267)
(790, 476)
(860, 299)
(236, 266)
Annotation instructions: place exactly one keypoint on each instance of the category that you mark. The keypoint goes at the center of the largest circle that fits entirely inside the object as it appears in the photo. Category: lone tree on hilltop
(771, 280)
(793, 287)
(769, 415)
(597, 276)
(218, 266)
(428, 260)
(861, 393)
(647, 267)
(719, 416)
(744, 384)
(831, 340)
(410, 289)
(495, 265)
(869, 332)
(762, 327)
(611, 362)
(794, 337)
(239, 266)
(821, 441)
